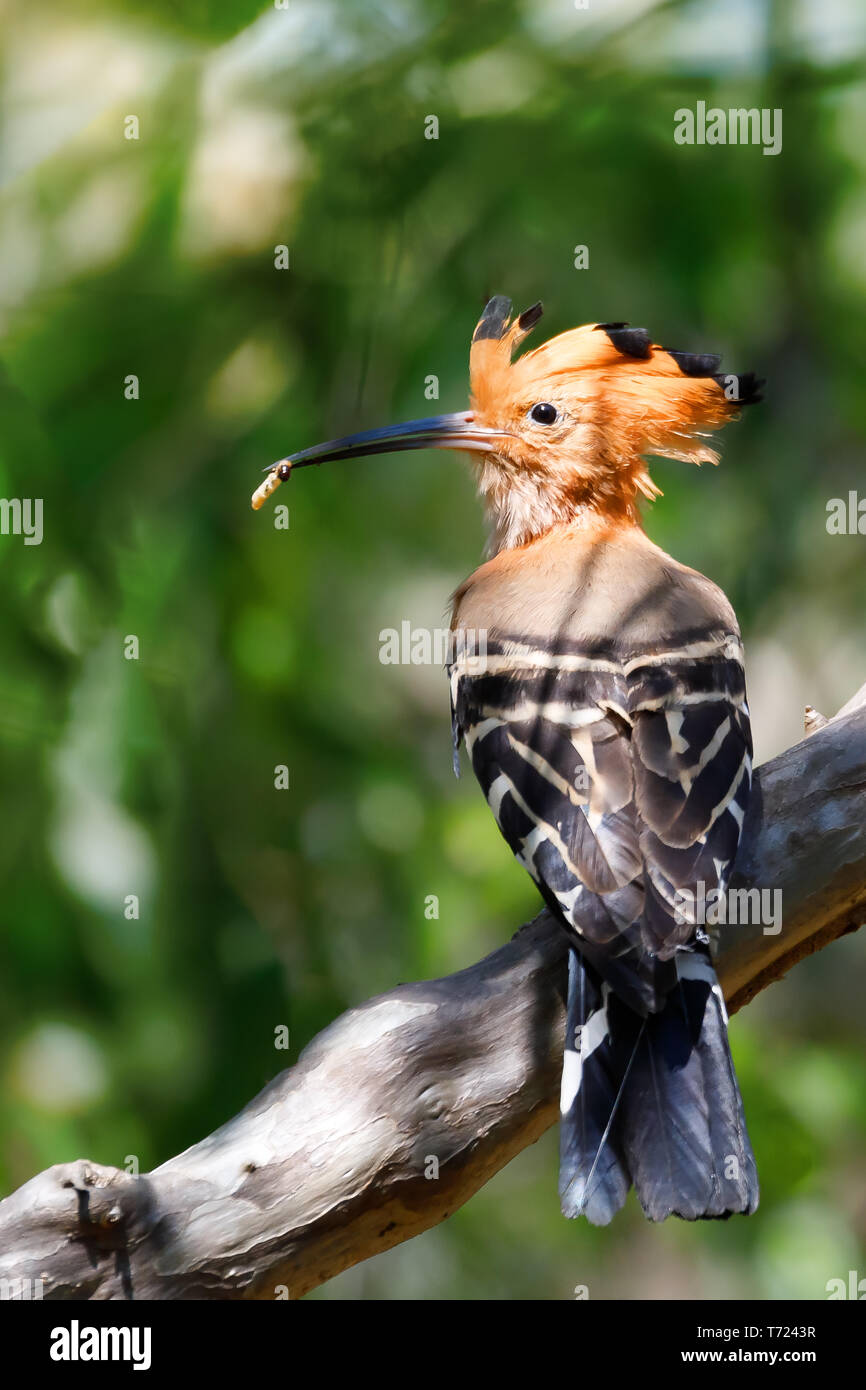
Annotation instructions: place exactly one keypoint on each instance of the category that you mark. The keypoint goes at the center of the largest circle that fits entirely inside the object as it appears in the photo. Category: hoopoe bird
(605, 716)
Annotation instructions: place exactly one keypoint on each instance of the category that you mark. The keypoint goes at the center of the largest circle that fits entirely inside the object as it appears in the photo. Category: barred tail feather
(653, 1101)
(593, 1177)
(684, 1131)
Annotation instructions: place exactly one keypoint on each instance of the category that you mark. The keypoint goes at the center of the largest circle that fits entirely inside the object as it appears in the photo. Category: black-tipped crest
(633, 342)
(695, 363)
(529, 318)
(494, 320)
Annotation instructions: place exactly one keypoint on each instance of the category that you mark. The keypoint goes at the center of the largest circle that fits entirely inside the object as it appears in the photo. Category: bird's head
(560, 434)
(576, 417)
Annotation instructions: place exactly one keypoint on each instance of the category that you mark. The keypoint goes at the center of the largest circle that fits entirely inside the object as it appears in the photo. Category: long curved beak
(457, 431)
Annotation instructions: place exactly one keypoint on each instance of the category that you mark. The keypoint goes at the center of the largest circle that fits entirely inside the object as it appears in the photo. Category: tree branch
(337, 1158)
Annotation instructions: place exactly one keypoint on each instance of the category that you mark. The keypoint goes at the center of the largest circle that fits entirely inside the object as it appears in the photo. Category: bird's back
(602, 700)
(600, 586)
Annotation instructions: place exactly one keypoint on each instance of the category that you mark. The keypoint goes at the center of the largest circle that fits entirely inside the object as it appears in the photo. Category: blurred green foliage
(155, 257)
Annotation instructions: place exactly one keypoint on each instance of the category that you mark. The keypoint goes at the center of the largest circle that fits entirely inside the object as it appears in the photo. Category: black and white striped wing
(692, 758)
(618, 784)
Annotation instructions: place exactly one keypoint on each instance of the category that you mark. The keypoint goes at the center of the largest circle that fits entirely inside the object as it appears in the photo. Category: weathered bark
(331, 1163)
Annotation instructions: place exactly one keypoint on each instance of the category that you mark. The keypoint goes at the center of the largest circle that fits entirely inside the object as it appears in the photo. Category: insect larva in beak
(280, 473)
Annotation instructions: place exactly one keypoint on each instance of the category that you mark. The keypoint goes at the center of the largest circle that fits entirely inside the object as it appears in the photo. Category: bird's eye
(543, 414)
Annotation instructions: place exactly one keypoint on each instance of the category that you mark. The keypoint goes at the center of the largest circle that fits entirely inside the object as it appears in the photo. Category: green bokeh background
(154, 257)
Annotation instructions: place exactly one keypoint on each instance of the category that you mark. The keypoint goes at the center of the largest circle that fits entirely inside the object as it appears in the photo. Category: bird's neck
(521, 507)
